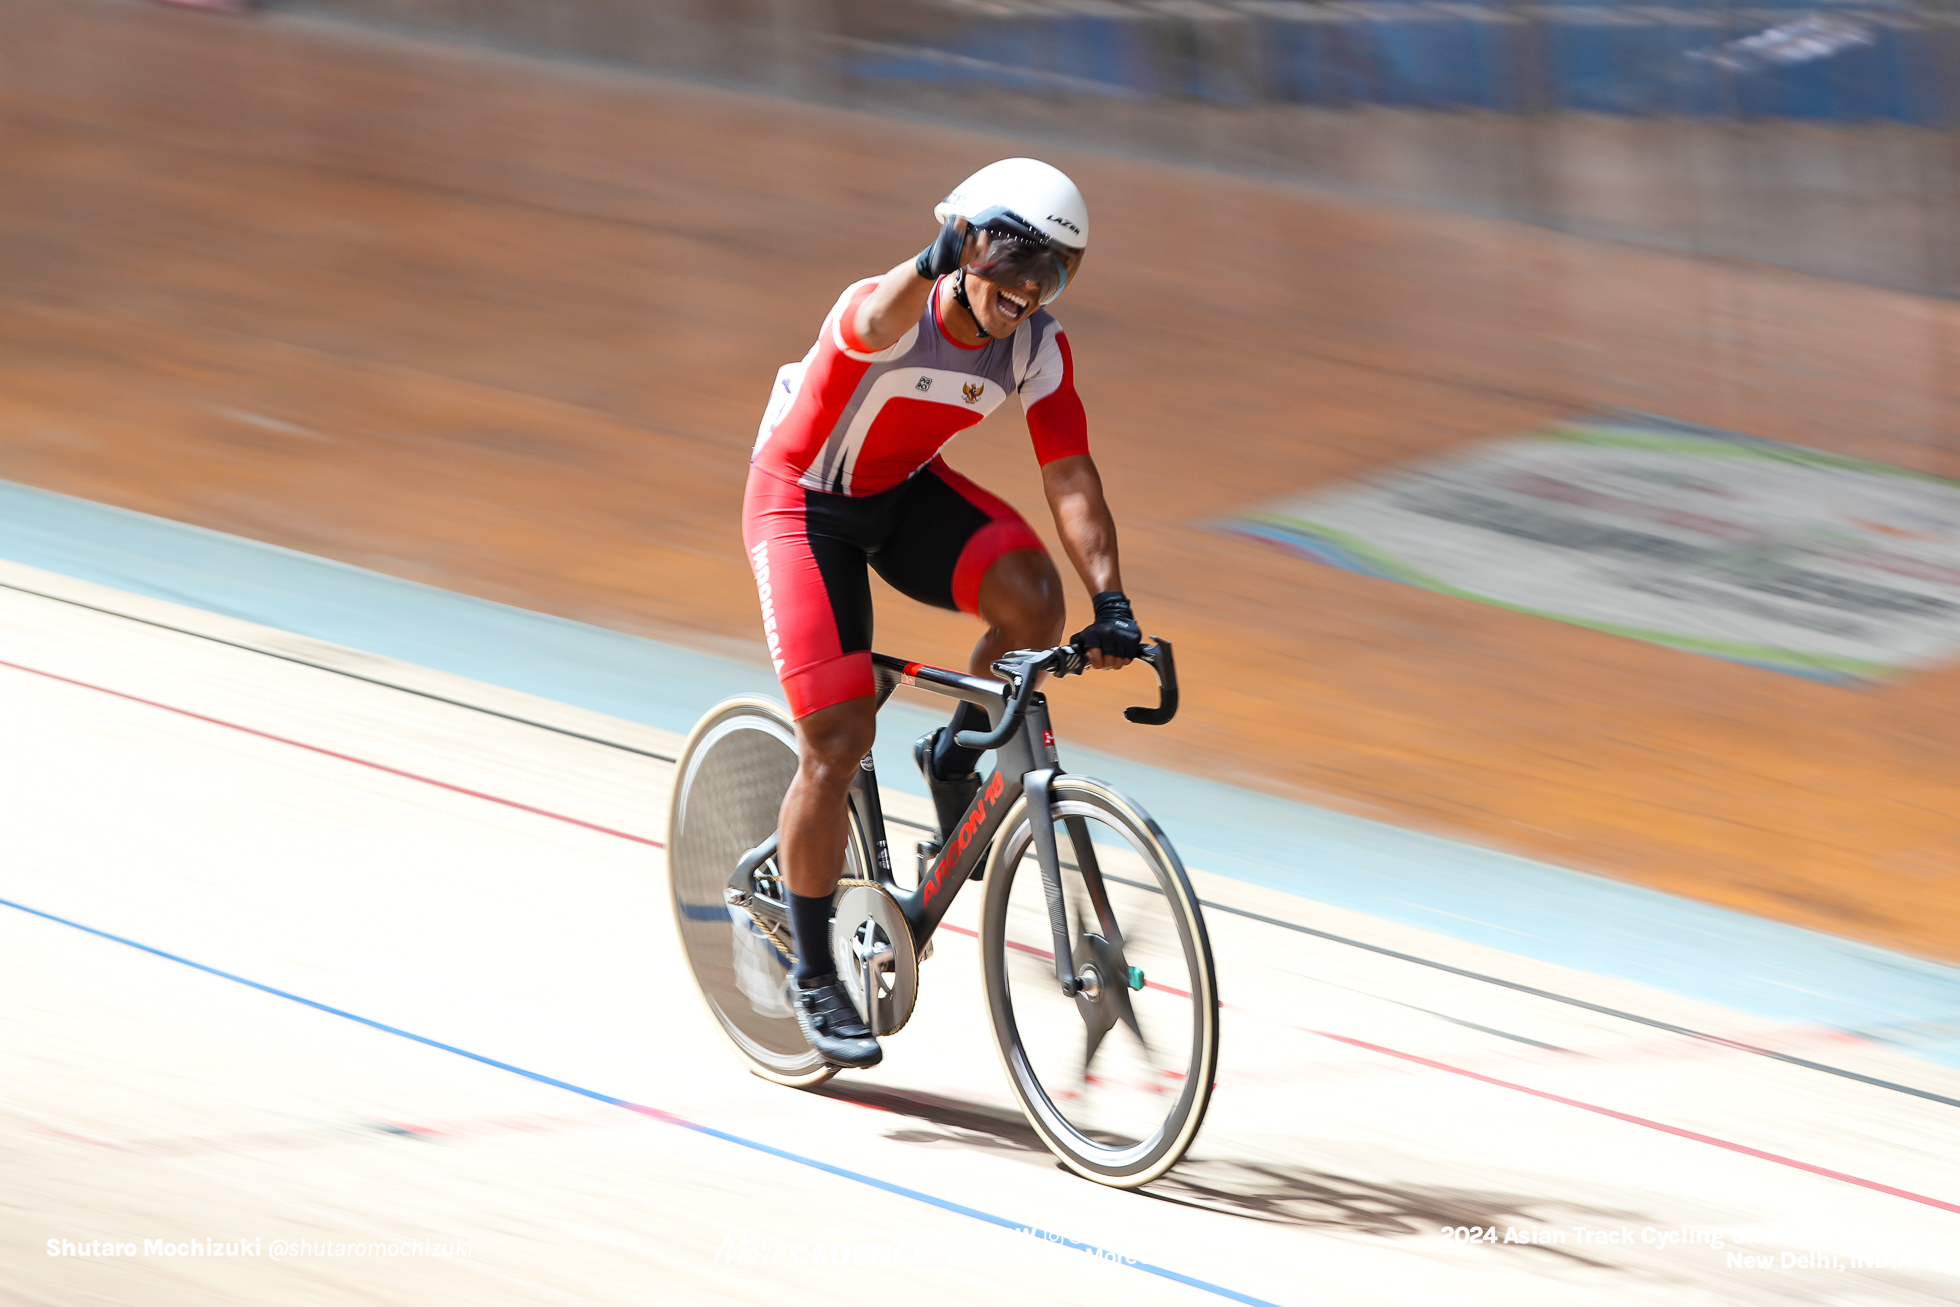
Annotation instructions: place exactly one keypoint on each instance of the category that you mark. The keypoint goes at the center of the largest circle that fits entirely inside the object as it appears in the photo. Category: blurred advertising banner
(1702, 540)
(1809, 136)
(1854, 63)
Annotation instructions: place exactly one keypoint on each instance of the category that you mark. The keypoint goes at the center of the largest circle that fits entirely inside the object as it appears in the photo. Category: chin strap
(959, 293)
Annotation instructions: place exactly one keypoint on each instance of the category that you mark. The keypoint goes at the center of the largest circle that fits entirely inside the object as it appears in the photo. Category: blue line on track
(945, 1204)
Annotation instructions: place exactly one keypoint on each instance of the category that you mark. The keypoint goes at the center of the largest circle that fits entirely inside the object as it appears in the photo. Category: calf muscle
(830, 743)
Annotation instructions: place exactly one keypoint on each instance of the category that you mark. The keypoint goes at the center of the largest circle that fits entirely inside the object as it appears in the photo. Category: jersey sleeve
(1056, 421)
(842, 327)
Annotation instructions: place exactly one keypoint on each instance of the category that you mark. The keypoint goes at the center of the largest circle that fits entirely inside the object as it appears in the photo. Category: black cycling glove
(1115, 630)
(943, 255)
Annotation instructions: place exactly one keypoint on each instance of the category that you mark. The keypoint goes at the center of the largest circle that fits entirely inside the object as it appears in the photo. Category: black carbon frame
(1028, 755)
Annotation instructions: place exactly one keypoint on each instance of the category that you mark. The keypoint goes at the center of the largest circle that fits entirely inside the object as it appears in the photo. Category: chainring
(867, 923)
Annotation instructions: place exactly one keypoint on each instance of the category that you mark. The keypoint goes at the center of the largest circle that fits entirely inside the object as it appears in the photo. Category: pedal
(769, 918)
(774, 933)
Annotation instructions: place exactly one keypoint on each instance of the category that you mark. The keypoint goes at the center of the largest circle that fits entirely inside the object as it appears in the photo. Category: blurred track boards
(505, 326)
(154, 1100)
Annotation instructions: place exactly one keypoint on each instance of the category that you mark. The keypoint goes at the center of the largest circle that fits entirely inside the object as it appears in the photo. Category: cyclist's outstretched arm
(890, 311)
(1082, 518)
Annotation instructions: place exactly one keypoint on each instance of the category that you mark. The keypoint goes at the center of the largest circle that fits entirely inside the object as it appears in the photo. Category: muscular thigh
(815, 593)
(946, 532)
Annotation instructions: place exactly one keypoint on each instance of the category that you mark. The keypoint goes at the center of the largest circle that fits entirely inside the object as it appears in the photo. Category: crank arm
(741, 882)
(769, 916)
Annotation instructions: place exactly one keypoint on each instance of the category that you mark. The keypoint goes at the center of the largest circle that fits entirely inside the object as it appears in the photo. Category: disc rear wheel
(728, 793)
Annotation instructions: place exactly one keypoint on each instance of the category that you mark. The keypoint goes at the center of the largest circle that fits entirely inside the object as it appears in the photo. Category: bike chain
(768, 928)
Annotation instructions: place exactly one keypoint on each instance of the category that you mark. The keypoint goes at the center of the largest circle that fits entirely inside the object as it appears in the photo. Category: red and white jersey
(854, 421)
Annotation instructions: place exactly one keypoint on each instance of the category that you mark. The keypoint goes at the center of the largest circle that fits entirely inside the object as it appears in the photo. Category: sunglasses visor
(1014, 259)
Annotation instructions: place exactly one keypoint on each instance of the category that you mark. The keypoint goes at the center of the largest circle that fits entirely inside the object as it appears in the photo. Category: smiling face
(1001, 306)
(1010, 275)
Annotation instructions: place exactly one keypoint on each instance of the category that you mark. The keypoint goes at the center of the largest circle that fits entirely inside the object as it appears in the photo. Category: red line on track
(1628, 1117)
(1677, 1131)
(343, 757)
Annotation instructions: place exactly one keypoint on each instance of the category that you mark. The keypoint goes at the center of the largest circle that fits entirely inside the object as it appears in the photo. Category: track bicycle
(1097, 968)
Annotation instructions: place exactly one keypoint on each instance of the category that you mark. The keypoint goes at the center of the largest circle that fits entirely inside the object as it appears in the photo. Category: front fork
(1105, 941)
(1041, 821)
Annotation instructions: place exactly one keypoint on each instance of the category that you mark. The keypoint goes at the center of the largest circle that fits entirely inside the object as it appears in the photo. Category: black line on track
(341, 671)
(1651, 1022)
(1603, 1010)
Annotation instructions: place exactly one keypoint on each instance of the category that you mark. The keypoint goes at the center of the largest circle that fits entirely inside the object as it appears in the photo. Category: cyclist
(847, 473)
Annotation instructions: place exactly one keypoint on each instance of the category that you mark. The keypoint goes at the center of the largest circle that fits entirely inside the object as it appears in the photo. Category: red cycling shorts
(932, 538)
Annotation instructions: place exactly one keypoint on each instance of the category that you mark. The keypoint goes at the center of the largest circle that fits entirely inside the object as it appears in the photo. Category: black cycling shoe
(828, 1020)
(951, 797)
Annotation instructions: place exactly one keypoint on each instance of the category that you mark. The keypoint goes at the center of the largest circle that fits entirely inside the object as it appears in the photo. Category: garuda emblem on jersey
(972, 392)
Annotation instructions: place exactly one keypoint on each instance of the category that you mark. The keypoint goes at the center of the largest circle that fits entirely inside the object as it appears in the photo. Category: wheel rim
(1127, 1114)
(727, 798)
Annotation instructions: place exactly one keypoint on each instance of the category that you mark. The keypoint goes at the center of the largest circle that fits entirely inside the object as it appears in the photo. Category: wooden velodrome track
(505, 326)
(314, 969)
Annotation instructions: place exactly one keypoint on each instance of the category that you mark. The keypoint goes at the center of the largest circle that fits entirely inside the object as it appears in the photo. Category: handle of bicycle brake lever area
(1161, 662)
(1010, 718)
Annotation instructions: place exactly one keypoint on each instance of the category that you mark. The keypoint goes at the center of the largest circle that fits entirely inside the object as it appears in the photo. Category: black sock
(809, 924)
(949, 759)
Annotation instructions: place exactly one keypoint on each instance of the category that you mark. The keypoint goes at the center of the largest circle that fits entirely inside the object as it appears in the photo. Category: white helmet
(1039, 194)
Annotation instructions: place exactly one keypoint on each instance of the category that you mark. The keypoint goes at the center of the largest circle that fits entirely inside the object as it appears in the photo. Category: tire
(728, 792)
(1123, 1107)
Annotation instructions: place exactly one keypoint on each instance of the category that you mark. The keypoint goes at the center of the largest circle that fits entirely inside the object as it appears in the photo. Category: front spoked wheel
(1115, 1079)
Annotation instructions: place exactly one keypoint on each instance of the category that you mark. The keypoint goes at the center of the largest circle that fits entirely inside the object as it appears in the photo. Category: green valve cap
(1136, 977)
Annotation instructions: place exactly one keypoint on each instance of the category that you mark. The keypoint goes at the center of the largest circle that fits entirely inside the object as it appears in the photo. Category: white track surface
(145, 1099)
